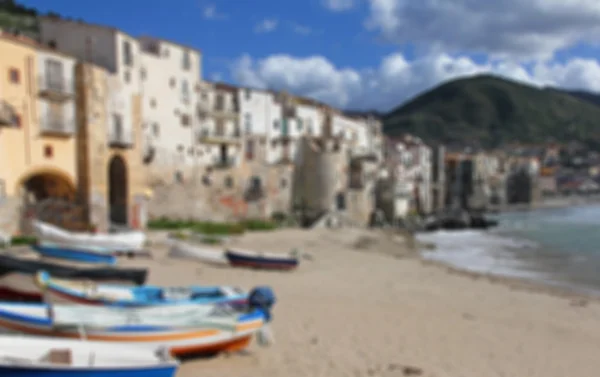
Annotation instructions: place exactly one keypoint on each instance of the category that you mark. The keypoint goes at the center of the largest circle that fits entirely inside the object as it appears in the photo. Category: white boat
(184, 329)
(184, 250)
(132, 241)
(36, 356)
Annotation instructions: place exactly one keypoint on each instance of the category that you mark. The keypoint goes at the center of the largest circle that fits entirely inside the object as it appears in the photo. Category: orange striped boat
(186, 329)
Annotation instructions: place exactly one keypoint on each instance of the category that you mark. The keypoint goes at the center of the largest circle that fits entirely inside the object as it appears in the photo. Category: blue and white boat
(83, 253)
(93, 293)
(53, 357)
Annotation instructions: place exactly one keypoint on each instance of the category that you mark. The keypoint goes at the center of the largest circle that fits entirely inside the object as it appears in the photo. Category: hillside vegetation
(488, 111)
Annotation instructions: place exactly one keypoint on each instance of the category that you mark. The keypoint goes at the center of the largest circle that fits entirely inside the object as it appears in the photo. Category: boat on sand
(91, 293)
(17, 276)
(129, 241)
(185, 329)
(46, 357)
(204, 254)
(87, 254)
(260, 260)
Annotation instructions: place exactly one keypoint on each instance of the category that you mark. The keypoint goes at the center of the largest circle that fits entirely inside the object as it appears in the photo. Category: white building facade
(110, 49)
(170, 82)
(56, 87)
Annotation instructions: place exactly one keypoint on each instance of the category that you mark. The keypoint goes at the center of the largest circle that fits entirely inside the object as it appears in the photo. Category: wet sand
(366, 305)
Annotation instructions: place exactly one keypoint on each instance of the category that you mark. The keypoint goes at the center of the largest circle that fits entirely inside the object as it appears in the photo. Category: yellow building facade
(58, 160)
(111, 173)
(37, 143)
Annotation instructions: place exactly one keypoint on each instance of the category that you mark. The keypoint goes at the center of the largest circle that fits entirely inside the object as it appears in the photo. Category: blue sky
(366, 53)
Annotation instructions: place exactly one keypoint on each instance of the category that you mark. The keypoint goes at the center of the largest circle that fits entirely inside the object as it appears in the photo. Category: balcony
(363, 154)
(7, 115)
(222, 162)
(205, 136)
(119, 136)
(55, 125)
(56, 89)
(224, 111)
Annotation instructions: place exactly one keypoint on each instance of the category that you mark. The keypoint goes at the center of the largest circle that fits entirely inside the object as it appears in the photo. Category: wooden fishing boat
(46, 357)
(200, 253)
(91, 293)
(185, 329)
(87, 254)
(17, 276)
(268, 261)
(130, 241)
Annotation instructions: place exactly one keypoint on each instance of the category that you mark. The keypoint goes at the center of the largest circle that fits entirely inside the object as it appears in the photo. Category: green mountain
(488, 111)
(16, 17)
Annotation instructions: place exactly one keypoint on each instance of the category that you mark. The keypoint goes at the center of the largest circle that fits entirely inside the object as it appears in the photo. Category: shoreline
(548, 203)
(513, 283)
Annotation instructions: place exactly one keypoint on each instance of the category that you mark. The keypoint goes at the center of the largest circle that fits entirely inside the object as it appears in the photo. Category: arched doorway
(118, 191)
(49, 196)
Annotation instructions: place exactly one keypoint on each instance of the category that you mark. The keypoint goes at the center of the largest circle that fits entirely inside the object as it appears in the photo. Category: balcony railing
(222, 162)
(363, 153)
(119, 137)
(219, 136)
(56, 88)
(57, 125)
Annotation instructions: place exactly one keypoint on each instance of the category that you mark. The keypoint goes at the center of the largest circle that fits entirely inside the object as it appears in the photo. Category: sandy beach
(366, 305)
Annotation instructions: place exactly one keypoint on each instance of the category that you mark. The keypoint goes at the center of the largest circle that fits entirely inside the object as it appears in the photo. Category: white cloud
(301, 29)
(397, 79)
(210, 12)
(339, 5)
(502, 28)
(266, 26)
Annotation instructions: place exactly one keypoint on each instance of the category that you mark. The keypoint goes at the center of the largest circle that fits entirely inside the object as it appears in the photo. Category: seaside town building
(118, 54)
(37, 129)
(170, 84)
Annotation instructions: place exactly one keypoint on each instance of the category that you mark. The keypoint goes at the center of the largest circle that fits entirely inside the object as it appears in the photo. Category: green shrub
(211, 228)
(253, 225)
(23, 240)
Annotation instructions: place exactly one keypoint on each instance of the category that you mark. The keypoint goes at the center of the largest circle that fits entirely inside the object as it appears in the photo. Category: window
(228, 182)
(248, 93)
(156, 129)
(275, 124)
(309, 127)
(185, 120)
(172, 82)
(153, 103)
(300, 125)
(166, 52)
(248, 123)
(48, 151)
(220, 102)
(191, 151)
(180, 148)
(186, 63)
(250, 150)
(14, 76)
(283, 183)
(54, 74)
(143, 73)
(185, 91)
(52, 44)
(127, 54)
(117, 126)
(127, 77)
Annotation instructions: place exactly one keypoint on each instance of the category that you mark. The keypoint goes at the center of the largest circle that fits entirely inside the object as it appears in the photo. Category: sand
(367, 306)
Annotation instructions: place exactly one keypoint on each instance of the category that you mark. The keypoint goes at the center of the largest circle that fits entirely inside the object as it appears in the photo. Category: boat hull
(129, 241)
(29, 371)
(180, 341)
(259, 262)
(64, 252)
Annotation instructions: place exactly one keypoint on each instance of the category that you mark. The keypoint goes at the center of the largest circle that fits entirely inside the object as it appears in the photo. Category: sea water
(559, 247)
